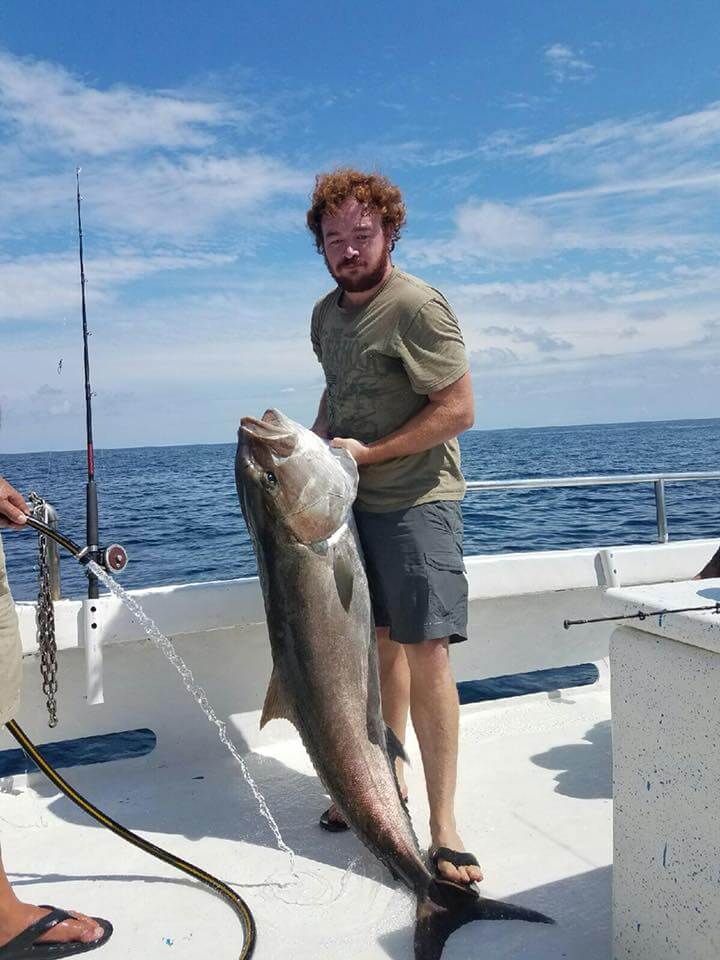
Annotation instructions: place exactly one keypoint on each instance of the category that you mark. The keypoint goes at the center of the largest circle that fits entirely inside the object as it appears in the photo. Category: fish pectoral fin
(276, 706)
(344, 579)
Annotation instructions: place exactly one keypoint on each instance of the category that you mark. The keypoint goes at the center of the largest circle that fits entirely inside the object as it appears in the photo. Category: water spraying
(165, 644)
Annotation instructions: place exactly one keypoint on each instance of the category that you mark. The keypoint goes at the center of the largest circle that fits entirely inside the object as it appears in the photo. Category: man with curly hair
(398, 394)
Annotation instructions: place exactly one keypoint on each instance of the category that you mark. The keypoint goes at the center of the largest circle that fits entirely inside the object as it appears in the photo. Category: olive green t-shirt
(381, 361)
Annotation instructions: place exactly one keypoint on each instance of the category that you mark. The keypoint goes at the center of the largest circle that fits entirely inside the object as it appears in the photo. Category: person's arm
(320, 427)
(449, 412)
(12, 506)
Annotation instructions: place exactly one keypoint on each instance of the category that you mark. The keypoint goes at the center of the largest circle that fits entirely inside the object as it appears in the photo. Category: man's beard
(363, 279)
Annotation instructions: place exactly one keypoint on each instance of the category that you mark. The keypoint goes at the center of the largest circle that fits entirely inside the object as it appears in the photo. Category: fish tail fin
(447, 906)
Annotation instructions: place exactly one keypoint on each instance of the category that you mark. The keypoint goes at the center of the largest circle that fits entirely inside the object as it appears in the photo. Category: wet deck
(534, 804)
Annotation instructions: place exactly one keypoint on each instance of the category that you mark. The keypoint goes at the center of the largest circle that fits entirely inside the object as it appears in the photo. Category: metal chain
(45, 619)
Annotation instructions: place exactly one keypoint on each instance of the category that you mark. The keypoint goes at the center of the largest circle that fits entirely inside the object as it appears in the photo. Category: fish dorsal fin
(344, 578)
(276, 706)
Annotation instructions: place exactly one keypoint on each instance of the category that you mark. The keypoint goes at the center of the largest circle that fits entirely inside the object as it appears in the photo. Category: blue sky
(560, 161)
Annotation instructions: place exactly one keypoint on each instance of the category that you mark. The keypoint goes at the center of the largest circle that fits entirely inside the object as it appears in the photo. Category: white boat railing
(603, 480)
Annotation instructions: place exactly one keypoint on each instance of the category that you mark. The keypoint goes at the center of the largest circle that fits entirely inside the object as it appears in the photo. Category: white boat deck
(534, 804)
(534, 797)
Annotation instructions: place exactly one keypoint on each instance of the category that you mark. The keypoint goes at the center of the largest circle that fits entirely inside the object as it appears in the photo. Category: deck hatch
(82, 751)
(518, 684)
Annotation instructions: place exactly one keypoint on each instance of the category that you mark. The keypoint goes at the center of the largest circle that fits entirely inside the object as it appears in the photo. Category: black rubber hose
(47, 531)
(234, 899)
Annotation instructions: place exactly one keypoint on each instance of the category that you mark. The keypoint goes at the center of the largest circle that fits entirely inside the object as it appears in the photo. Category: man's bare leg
(395, 694)
(16, 916)
(435, 712)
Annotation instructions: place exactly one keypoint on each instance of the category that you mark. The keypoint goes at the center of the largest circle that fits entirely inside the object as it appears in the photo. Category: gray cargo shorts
(415, 569)
(10, 649)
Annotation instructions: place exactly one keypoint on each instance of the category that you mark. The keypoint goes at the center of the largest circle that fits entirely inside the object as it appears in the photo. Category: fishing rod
(91, 509)
(641, 615)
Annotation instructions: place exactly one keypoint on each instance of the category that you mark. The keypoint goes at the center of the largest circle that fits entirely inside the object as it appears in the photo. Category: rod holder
(91, 631)
(608, 563)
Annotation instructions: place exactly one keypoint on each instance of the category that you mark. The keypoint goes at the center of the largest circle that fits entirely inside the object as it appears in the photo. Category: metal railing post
(660, 511)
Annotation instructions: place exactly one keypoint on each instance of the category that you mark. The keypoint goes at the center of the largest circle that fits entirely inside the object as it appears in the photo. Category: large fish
(296, 494)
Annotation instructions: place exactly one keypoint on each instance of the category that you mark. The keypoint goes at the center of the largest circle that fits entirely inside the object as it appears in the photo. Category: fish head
(288, 477)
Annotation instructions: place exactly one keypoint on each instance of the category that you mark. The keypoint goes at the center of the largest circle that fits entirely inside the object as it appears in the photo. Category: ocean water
(176, 512)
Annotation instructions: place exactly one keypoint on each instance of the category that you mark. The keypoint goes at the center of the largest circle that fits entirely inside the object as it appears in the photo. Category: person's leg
(394, 692)
(16, 916)
(435, 712)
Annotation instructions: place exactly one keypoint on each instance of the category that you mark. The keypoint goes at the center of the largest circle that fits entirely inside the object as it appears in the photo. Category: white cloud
(540, 338)
(499, 232)
(685, 131)
(701, 182)
(487, 229)
(565, 65)
(646, 185)
(157, 165)
(594, 286)
(190, 195)
(41, 286)
(165, 199)
(489, 358)
(46, 106)
(564, 324)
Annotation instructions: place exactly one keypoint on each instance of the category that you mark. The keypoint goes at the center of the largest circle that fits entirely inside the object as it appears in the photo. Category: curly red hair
(370, 189)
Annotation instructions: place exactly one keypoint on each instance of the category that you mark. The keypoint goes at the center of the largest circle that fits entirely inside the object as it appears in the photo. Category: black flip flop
(24, 947)
(331, 825)
(456, 858)
(336, 826)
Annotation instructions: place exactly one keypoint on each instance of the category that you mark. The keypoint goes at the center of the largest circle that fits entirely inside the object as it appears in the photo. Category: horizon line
(225, 443)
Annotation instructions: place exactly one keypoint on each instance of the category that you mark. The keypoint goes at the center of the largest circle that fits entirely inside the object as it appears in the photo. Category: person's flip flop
(327, 823)
(456, 858)
(336, 826)
(24, 946)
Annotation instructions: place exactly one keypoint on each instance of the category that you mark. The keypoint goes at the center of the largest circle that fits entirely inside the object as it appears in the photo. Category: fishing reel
(114, 558)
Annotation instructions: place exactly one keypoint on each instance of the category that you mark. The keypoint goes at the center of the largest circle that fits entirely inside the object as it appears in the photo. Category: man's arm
(320, 427)
(449, 412)
(12, 506)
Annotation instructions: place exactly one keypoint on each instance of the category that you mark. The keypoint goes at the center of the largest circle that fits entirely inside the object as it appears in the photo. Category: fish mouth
(271, 422)
(266, 440)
